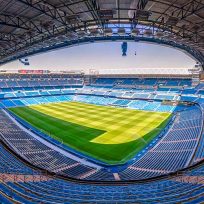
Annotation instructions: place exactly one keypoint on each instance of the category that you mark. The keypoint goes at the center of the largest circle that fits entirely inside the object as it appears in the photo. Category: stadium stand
(180, 146)
(174, 150)
(27, 185)
(101, 136)
(144, 82)
(37, 152)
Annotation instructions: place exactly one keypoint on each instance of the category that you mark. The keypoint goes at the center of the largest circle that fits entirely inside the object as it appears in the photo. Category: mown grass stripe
(112, 135)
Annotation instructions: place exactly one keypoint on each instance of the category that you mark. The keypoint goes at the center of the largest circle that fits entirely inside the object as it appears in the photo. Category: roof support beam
(141, 4)
(94, 6)
(19, 22)
(188, 9)
(61, 5)
(46, 9)
(136, 5)
(55, 14)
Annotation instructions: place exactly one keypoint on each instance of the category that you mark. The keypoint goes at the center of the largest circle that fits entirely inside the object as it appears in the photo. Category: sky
(107, 55)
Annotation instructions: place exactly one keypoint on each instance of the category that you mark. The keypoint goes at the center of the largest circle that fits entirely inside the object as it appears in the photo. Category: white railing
(145, 71)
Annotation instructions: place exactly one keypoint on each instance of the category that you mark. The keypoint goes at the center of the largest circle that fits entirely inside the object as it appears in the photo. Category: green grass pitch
(112, 135)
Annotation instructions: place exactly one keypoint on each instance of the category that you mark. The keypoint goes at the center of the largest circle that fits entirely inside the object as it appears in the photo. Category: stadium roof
(32, 26)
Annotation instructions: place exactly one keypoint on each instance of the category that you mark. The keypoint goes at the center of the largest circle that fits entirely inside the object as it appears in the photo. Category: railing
(56, 176)
(199, 138)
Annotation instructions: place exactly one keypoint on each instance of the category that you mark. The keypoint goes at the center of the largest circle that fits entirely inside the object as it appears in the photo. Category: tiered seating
(141, 95)
(199, 155)
(121, 102)
(200, 86)
(188, 98)
(128, 94)
(94, 99)
(174, 151)
(20, 82)
(40, 154)
(137, 104)
(165, 108)
(99, 100)
(21, 183)
(189, 91)
(164, 97)
(8, 103)
(122, 82)
(151, 106)
(10, 165)
(30, 186)
(32, 93)
(163, 89)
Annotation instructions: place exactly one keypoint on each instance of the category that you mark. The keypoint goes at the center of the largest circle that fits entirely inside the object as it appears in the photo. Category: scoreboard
(26, 71)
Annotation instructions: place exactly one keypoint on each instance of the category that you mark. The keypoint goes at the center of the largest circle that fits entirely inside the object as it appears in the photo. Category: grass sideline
(112, 135)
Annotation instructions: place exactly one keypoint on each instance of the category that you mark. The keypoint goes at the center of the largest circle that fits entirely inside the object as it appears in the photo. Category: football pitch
(109, 134)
